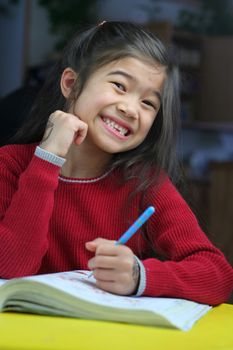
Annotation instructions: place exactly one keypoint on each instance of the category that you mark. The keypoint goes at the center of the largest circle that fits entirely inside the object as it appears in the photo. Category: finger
(106, 250)
(113, 287)
(118, 283)
(100, 240)
(97, 241)
(102, 262)
(108, 286)
(91, 246)
(104, 275)
(112, 249)
(81, 134)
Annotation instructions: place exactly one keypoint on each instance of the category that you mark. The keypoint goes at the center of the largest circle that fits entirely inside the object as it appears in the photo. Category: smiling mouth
(116, 127)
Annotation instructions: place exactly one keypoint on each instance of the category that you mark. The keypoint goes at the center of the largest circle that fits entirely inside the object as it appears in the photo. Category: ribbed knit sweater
(45, 220)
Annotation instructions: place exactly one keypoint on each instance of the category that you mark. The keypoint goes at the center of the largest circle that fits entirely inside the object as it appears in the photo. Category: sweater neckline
(83, 180)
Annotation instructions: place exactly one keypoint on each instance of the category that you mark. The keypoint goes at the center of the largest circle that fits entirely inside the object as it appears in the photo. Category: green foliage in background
(67, 16)
(214, 17)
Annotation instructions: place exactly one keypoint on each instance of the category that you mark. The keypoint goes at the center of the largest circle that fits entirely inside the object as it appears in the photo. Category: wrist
(49, 156)
(51, 149)
(142, 278)
(136, 275)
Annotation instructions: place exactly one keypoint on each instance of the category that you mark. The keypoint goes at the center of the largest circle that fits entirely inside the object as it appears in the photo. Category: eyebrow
(130, 77)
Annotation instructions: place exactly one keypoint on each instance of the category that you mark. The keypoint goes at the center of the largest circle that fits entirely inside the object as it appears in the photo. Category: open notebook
(74, 294)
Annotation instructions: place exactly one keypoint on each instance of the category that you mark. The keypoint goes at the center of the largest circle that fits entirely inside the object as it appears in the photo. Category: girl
(98, 148)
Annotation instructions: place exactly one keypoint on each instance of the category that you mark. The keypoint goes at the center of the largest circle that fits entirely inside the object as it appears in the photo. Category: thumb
(91, 246)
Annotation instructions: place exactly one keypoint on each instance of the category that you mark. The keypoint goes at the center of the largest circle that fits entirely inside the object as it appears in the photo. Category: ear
(68, 79)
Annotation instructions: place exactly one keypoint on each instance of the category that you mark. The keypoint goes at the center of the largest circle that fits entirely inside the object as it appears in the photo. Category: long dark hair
(88, 51)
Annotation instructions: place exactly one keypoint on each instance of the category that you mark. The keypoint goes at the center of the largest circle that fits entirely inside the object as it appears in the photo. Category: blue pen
(136, 225)
(133, 228)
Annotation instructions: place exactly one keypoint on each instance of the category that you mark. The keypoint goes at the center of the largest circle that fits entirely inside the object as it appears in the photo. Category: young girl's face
(119, 103)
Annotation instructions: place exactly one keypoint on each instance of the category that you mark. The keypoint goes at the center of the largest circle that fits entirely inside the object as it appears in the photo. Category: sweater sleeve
(26, 205)
(194, 269)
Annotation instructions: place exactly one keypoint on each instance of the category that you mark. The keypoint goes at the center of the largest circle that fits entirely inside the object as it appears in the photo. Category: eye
(150, 104)
(119, 85)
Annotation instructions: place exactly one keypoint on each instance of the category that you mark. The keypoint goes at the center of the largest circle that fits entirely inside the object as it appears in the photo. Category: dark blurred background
(200, 32)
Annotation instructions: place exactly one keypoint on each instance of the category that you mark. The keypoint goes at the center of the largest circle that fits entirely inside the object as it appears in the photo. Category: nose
(128, 108)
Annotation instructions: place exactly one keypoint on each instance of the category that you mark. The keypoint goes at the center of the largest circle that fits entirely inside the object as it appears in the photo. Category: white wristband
(49, 157)
(142, 277)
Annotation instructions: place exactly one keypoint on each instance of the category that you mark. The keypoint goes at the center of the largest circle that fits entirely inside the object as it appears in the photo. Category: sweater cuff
(142, 277)
(49, 157)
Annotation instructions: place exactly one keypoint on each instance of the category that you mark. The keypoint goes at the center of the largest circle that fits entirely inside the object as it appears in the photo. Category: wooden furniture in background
(197, 197)
(221, 207)
(216, 104)
(207, 73)
(187, 48)
(212, 203)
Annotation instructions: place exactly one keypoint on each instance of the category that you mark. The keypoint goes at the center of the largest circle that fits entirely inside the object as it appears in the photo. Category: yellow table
(21, 331)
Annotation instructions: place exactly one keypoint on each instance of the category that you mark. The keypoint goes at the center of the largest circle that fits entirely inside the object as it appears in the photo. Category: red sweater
(46, 220)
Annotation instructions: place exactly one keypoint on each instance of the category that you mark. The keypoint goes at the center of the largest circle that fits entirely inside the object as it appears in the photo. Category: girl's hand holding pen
(116, 269)
(63, 129)
(114, 266)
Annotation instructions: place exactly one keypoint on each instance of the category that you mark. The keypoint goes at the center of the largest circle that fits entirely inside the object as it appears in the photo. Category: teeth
(123, 131)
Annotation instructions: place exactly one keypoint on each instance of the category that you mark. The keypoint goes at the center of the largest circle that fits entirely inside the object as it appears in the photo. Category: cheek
(147, 123)
(93, 103)
(103, 99)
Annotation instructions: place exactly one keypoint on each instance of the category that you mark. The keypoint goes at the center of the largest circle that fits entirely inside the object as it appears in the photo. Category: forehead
(135, 64)
(138, 70)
